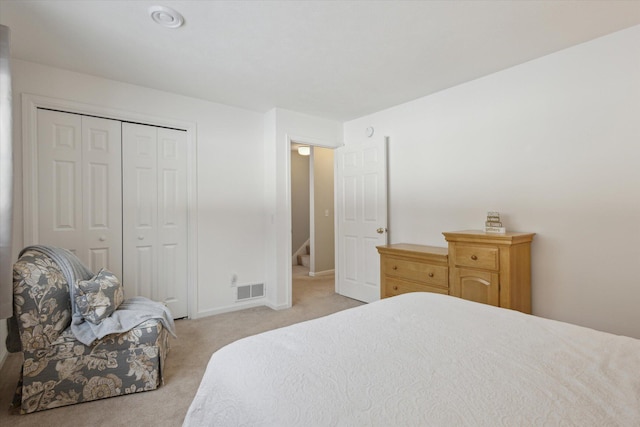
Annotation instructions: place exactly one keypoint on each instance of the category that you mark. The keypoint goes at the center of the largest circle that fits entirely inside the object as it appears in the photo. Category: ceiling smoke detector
(166, 16)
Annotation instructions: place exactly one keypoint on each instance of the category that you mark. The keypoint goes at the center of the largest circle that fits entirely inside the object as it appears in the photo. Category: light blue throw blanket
(130, 314)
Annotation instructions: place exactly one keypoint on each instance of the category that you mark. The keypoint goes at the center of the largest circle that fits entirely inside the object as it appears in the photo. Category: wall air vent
(250, 291)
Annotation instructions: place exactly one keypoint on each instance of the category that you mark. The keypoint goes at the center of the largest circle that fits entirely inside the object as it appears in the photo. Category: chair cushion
(144, 334)
(99, 296)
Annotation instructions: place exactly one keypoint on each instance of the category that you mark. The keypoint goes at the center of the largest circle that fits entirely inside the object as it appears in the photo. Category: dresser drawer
(396, 287)
(435, 275)
(486, 258)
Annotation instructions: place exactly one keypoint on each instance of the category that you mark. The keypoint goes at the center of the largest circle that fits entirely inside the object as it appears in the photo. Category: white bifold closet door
(79, 187)
(115, 194)
(154, 162)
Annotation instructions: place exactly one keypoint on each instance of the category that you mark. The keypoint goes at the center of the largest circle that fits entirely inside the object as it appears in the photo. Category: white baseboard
(229, 308)
(321, 273)
(278, 307)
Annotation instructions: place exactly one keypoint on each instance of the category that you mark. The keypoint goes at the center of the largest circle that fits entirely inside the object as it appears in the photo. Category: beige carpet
(197, 340)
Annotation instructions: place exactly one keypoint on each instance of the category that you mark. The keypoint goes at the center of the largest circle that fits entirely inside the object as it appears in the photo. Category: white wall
(323, 211)
(280, 127)
(229, 162)
(554, 145)
(300, 231)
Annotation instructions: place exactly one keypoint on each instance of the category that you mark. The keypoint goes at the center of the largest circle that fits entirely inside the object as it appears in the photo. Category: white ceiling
(335, 59)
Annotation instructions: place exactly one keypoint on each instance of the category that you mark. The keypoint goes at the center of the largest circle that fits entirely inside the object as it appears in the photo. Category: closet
(154, 213)
(114, 193)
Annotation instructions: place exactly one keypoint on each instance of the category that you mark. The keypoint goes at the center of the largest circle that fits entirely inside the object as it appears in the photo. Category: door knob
(381, 230)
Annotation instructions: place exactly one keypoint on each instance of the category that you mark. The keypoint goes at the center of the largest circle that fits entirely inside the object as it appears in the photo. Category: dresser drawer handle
(473, 257)
(430, 274)
(395, 288)
(395, 267)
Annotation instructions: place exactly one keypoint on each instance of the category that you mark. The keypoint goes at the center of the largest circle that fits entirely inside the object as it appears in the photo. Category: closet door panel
(155, 214)
(172, 219)
(139, 210)
(64, 215)
(102, 193)
(59, 180)
(143, 181)
(144, 268)
(79, 187)
(170, 279)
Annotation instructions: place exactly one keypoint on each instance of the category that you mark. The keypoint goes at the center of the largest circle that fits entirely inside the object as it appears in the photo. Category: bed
(423, 359)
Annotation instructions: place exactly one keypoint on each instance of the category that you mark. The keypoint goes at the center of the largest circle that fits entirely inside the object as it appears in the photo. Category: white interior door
(155, 215)
(361, 205)
(79, 187)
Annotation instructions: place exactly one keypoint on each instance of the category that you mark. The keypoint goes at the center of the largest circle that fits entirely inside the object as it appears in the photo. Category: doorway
(312, 216)
(312, 209)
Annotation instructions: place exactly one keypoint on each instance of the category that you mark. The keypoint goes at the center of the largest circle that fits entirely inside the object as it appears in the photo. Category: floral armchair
(59, 370)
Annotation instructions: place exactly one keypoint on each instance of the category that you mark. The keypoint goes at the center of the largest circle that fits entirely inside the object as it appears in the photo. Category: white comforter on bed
(423, 359)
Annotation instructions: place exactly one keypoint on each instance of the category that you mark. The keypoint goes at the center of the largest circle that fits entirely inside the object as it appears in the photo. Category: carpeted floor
(197, 340)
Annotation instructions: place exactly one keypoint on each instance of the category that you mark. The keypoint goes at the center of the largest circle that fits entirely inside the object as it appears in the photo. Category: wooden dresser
(413, 268)
(488, 268)
(491, 268)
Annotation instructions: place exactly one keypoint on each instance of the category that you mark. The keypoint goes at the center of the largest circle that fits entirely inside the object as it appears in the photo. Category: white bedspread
(423, 359)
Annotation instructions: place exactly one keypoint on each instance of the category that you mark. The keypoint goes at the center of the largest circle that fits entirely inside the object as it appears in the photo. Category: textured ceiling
(335, 59)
